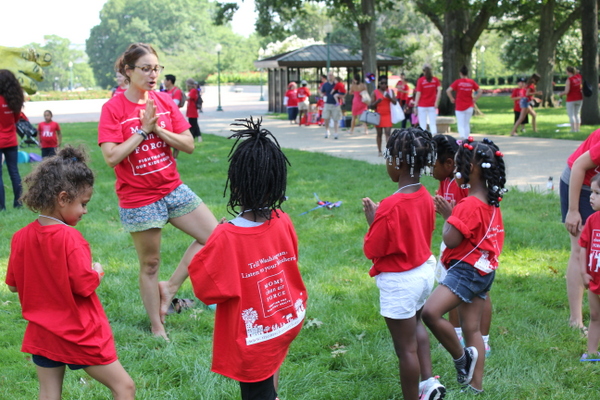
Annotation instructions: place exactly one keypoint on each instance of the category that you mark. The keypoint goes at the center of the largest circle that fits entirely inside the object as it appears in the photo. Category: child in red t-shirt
(49, 134)
(320, 106)
(590, 272)
(399, 244)
(339, 90)
(50, 267)
(474, 235)
(258, 288)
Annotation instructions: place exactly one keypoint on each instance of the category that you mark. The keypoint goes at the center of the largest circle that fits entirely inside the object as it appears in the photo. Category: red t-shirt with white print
(450, 190)
(590, 240)
(428, 91)
(260, 295)
(591, 144)
(47, 133)
(475, 220)
(149, 173)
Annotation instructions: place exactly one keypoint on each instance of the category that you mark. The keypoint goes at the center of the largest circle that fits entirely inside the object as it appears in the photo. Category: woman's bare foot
(161, 333)
(165, 301)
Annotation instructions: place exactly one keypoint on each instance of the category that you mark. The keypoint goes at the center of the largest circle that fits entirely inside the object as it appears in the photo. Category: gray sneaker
(431, 389)
(465, 375)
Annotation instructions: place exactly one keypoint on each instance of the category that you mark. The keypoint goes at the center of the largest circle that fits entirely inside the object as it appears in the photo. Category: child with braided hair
(474, 235)
(399, 244)
(256, 282)
(448, 195)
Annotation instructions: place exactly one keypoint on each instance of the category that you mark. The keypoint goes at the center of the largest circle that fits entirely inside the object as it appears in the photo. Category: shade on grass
(347, 352)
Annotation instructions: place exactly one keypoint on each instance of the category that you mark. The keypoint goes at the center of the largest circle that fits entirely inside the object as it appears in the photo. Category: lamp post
(70, 75)
(218, 48)
(328, 29)
(261, 55)
(482, 50)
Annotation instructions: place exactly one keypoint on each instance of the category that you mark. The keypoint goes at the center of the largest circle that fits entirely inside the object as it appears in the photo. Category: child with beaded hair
(474, 235)
(258, 288)
(50, 267)
(399, 244)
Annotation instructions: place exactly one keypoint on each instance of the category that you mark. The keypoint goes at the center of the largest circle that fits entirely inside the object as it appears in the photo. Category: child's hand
(98, 268)
(369, 207)
(223, 220)
(443, 206)
(586, 280)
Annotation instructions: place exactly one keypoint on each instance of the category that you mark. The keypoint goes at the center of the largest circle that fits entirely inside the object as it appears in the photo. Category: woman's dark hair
(488, 157)
(413, 146)
(535, 78)
(570, 69)
(130, 57)
(67, 171)
(446, 147)
(464, 70)
(357, 78)
(11, 90)
(49, 112)
(427, 73)
(257, 176)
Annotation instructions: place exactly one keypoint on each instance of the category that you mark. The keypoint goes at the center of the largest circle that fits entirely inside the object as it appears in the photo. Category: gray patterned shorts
(179, 202)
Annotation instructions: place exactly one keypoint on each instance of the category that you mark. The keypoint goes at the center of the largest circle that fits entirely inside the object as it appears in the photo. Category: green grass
(498, 119)
(534, 354)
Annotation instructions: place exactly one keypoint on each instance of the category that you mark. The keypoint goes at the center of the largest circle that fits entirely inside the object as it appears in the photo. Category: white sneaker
(431, 389)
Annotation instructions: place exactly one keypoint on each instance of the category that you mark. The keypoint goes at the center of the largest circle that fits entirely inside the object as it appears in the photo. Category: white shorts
(402, 294)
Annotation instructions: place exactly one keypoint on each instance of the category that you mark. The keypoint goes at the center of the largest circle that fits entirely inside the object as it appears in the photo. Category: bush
(510, 80)
(484, 81)
(501, 81)
(238, 78)
(492, 81)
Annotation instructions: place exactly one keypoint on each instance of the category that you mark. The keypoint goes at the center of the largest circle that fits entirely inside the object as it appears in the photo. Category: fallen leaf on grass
(312, 322)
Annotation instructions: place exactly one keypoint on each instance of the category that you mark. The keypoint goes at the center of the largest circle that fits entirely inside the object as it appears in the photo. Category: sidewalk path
(530, 161)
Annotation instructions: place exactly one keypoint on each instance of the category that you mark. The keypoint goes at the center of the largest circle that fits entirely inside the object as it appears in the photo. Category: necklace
(52, 218)
(404, 187)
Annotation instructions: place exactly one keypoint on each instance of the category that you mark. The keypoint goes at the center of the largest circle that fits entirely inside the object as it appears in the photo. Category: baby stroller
(27, 133)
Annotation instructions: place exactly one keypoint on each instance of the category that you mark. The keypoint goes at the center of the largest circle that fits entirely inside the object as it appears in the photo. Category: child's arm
(369, 207)
(452, 236)
(583, 265)
(58, 137)
(12, 288)
(98, 268)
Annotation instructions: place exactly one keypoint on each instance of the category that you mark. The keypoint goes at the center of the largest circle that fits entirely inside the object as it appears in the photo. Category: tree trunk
(368, 42)
(590, 114)
(546, 53)
(456, 22)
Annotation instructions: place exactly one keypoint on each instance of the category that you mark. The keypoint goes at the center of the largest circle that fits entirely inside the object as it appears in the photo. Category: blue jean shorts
(179, 202)
(466, 282)
(44, 362)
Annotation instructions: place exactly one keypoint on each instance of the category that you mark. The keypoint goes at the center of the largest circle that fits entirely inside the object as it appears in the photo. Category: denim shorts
(466, 282)
(402, 294)
(585, 208)
(44, 362)
(179, 202)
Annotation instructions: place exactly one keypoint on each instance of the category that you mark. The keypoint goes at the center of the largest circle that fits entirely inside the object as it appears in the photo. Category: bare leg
(594, 333)
(378, 139)
(387, 131)
(470, 316)
(199, 224)
(575, 285)
(147, 245)
(51, 381)
(366, 128)
(114, 377)
(524, 112)
(439, 303)
(404, 336)
(353, 124)
(533, 115)
(486, 317)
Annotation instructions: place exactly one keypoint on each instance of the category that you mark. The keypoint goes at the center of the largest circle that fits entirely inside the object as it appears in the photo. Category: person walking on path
(527, 105)
(427, 99)
(332, 112)
(136, 133)
(192, 109)
(574, 97)
(358, 106)
(464, 102)
(383, 97)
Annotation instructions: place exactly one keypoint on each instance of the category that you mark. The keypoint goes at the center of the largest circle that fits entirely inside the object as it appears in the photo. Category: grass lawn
(534, 353)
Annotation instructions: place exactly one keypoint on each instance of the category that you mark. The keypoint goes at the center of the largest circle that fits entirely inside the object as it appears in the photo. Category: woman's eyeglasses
(147, 69)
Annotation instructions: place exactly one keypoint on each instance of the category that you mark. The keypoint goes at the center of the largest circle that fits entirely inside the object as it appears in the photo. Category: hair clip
(465, 186)
(470, 139)
(499, 154)
(458, 175)
(499, 199)
(468, 146)
(459, 142)
(495, 188)
(503, 190)
(486, 165)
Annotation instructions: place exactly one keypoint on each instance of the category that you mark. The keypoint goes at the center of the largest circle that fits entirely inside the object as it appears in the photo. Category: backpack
(183, 98)
(199, 100)
(586, 88)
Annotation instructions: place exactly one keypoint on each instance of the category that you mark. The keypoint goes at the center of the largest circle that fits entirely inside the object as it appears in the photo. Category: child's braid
(413, 146)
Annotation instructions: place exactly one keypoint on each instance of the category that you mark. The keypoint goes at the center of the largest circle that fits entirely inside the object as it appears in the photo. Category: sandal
(179, 305)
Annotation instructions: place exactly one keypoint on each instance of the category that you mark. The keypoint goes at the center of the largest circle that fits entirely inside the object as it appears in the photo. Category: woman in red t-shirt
(136, 133)
(382, 98)
(192, 109)
(527, 104)
(574, 98)
(11, 103)
(464, 102)
(427, 98)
